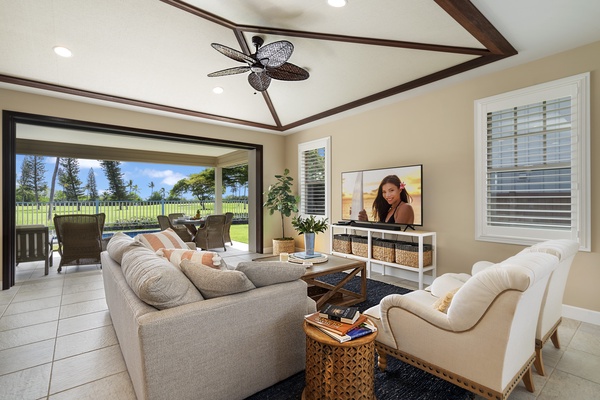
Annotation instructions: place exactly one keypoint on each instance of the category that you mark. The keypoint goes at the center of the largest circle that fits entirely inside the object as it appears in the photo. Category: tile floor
(57, 342)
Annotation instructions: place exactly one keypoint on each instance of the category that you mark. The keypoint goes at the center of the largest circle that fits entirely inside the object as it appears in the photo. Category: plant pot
(283, 246)
(309, 243)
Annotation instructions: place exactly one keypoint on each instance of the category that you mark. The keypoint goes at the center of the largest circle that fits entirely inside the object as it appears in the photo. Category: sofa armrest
(480, 266)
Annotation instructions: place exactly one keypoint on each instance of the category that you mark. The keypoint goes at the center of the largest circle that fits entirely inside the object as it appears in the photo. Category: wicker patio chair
(227, 228)
(181, 230)
(211, 234)
(79, 238)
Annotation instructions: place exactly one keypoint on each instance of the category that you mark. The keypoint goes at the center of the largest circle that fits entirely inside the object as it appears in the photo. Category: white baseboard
(581, 314)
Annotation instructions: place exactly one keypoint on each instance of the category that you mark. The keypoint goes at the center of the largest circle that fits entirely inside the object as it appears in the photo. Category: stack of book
(341, 323)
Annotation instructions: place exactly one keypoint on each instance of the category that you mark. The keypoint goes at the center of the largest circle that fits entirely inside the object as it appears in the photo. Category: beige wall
(273, 153)
(436, 130)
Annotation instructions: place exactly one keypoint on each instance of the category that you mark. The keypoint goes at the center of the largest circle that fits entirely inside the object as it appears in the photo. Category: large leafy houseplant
(281, 199)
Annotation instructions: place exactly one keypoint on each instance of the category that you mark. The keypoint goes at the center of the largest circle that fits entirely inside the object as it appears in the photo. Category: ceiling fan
(268, 62)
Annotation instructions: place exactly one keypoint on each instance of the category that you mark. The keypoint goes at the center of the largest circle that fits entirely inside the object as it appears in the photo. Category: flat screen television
(359, 189)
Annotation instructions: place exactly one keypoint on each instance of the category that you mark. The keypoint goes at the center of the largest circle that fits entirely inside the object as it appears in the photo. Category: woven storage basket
(360, 245)
(342, 243)
(283, 246)
(383, 250)
(408, 254)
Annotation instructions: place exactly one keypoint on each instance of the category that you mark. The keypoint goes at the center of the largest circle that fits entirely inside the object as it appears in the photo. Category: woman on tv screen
(391, 204)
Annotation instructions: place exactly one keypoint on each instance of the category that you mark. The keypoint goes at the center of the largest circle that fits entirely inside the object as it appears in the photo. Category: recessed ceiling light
(218, 90)
(62, 51)
(337, 3)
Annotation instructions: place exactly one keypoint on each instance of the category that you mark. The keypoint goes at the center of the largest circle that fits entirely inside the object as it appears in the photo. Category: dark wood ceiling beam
(130, 102)
(364, 40)
(200, 13)
(470, 18)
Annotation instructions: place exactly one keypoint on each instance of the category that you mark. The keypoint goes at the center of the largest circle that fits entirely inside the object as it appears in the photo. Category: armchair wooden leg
(528, 380)
(538, 362)
(554, 339)
(381, 360)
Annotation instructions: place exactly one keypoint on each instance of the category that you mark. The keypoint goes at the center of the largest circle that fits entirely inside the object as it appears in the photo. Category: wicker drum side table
(339, 371)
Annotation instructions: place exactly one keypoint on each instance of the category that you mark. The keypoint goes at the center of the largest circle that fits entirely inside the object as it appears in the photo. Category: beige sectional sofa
(226, 347)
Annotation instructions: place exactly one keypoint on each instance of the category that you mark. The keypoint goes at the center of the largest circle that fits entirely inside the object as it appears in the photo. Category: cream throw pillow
(156, 281)
(213, 282)
(118, 244)
(265, 273)
(166, 239)
(208, 258)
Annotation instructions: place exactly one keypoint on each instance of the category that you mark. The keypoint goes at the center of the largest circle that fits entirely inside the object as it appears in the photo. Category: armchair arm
(406, 303)
(480, 266)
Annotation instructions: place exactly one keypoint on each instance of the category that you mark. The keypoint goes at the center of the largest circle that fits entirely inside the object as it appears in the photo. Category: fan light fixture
(62, 51)
(268, 62)
(337, 3)
(217, 90)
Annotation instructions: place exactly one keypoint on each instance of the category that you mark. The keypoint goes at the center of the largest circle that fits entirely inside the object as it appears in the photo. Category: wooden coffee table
(323, 292)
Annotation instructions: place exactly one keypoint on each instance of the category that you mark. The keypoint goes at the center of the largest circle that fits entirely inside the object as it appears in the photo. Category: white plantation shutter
(532, 167)
(313, 174)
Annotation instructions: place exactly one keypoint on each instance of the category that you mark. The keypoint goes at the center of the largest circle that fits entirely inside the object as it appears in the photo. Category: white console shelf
(418, 274)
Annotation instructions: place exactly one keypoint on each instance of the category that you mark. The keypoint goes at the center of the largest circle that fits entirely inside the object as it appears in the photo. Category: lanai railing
(123, 215)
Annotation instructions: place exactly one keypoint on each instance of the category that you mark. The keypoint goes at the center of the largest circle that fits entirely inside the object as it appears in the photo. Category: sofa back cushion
(265, 273)
(167, 239)
(213, 282)
(156, 281)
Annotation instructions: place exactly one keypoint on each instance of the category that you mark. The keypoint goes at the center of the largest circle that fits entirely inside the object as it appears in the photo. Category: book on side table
(348, 315)
(341, 331)
(361, 330)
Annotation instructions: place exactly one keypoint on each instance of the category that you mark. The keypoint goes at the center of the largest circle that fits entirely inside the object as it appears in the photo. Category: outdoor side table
(339, 371)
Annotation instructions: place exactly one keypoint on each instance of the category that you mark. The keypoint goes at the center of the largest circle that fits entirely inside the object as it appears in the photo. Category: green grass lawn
(239, 233)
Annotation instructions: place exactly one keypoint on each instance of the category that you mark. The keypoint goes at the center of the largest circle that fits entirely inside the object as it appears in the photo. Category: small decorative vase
(309, 243)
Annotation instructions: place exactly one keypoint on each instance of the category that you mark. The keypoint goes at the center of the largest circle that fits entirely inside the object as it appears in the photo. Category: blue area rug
(399, 382)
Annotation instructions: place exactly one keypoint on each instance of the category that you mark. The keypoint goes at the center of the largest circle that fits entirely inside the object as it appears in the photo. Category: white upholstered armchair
(551, 311)
(484, 340)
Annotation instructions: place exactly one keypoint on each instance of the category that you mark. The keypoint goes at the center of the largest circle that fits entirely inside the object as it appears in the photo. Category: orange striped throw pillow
(208, 258)
(160, 240)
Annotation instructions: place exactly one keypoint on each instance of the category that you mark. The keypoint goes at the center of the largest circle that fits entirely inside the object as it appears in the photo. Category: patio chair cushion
(167, 239)
(212, 282)
(265, 273)
(118, 244)
(156, 281)
(208, 258)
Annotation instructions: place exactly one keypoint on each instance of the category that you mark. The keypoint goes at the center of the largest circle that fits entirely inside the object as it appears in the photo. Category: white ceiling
(154, 56)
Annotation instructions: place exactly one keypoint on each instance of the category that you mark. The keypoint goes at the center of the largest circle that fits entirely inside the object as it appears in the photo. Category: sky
(163, 176)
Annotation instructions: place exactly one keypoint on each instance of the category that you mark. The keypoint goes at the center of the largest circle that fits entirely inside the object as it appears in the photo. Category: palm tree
(151, 186)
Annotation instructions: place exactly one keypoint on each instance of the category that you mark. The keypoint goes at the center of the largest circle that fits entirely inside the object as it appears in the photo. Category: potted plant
(309, 227)
(281, 199)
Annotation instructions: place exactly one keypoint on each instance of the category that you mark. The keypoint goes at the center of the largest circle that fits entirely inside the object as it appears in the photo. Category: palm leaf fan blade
(233, 53)
(288, 72)
(275, 54)
(229, 71)
(259, 81)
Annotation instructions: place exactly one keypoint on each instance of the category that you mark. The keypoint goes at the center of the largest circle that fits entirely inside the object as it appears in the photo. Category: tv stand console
(421, 274)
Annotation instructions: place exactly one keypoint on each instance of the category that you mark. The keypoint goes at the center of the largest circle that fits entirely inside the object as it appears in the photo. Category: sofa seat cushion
(167, 239)
(208, 258)
(120, 243)
(213, 282)
(265, 273)
(156, 281)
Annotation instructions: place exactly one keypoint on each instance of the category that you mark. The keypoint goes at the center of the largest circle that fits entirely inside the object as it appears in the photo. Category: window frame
(324, 143)
(579, 86)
